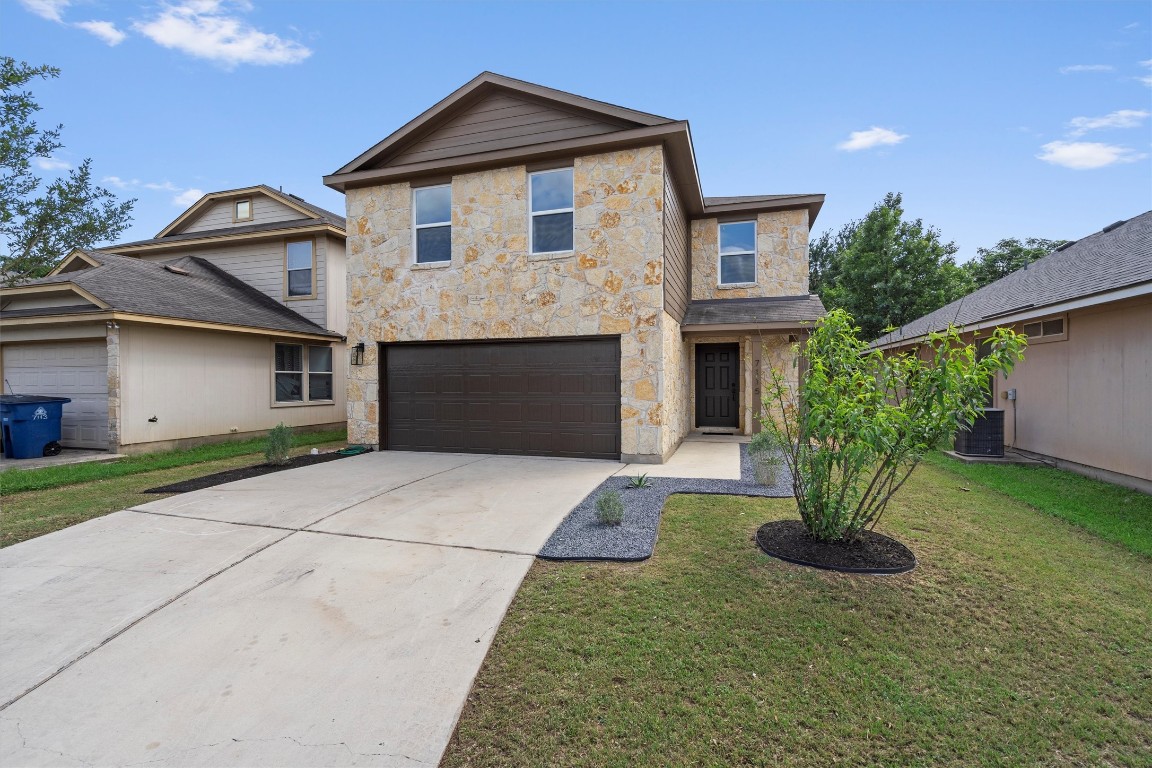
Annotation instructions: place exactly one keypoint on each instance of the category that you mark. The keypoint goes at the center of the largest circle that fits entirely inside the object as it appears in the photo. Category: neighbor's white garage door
(75, 369)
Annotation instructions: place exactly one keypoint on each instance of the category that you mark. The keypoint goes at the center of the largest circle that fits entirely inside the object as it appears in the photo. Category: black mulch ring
(243, 473)
(872, 552)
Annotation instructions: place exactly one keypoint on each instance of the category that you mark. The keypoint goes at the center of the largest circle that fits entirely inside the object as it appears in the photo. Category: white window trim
(720, 254)
(431, 225)
(533, 214)
(304, 393)
(288, 295)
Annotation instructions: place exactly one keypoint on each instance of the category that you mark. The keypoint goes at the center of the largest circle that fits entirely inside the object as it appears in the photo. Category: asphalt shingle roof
(271, 226)
(207, 293)
(774, 309)
(1116, 257)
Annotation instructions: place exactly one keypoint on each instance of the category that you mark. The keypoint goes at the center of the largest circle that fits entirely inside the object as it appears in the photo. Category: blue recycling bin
(31, 425)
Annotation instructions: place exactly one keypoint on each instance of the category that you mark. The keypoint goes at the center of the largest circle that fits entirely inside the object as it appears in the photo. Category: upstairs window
(243, 211)
(738, 252)
(1051, 329)
(300, 269)
(302, 373)
(433, 215)
(551, 211)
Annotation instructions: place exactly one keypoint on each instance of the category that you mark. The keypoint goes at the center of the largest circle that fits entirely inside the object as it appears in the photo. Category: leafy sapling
(280, 442)
(610, 508)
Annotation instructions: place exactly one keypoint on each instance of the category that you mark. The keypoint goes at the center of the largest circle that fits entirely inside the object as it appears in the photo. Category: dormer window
(432, 237)
(738, 252)
(243, 211)
(551, 211)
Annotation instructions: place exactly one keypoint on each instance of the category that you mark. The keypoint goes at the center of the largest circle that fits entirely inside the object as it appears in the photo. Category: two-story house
(534, 272)
(228, 322)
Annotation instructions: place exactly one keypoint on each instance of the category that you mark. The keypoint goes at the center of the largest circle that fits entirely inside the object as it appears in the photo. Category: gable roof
(494, 120)
(307, 210)
(187, 288)
(1116, 258)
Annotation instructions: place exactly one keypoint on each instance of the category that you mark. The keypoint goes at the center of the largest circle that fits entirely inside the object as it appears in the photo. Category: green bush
(610, 508)
(764, 442)
(869, 417)
(279, 444)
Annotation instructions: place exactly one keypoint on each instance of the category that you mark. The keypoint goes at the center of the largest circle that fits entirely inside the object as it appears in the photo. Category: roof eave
(813, 203)
(130, 248)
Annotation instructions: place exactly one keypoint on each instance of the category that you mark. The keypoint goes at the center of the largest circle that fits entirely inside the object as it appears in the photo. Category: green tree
(39, 222)
(885, 270)
(869, 417)
(1006, 257)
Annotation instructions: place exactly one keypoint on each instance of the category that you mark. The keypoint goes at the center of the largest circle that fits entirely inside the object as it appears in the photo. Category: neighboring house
(1083, 393)
(534, 272)
(228, 322)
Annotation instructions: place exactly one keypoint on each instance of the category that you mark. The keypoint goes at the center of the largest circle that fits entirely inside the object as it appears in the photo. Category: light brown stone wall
(675, 386)
(781, 263)
(112, 340)
(612, 283)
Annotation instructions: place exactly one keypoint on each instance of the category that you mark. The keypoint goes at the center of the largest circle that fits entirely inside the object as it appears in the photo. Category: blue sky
(998, 119)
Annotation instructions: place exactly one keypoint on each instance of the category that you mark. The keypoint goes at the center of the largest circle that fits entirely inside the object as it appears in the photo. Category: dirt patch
(872, 552)
(243, 473)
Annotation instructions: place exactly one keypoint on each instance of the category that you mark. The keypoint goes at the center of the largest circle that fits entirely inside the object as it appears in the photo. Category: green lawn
(62, 498)
(1020, 639)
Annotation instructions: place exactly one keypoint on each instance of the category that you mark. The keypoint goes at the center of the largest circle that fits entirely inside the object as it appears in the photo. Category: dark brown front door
(537, 398)
(717, 385)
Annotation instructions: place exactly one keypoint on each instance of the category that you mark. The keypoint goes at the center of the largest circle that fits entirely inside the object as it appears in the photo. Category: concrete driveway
(327, 616)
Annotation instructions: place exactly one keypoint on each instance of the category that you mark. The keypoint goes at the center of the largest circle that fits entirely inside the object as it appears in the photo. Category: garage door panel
(549, 398)
(76, 370)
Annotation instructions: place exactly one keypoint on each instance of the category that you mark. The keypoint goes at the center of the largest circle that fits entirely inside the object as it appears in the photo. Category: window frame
(236, 210)
(720, 254)
(1046, 338)
(433, 225)
(288, 295)
(304, 373)
(533, 214)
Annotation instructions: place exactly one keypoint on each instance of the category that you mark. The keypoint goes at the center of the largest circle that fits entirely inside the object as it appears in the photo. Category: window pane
(289, 387)
(1032, 329)
(244, 209)
(740, 236)
(319, 386)
(1054, 327)
(552, 190)
(433, 244)
(433, 205)
(300, 255)
(320, 359)
(552, 233)
(738, 269)
(300, 282)
(289, 357)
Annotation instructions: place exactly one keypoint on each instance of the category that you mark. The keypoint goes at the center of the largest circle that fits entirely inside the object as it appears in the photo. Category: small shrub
(280, 442)
(764, 442)
(610, 508)
(639, 481)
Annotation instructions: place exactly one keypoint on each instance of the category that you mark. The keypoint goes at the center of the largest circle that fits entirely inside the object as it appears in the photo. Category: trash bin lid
(31, 399)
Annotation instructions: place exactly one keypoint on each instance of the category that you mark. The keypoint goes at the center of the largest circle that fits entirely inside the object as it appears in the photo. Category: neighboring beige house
(228, 322)
(534, 272)
(1083, 393)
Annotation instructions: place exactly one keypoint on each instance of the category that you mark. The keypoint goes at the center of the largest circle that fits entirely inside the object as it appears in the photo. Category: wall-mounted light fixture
(358, 354)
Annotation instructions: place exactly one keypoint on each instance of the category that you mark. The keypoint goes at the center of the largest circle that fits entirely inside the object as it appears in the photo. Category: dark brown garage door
(536, 398)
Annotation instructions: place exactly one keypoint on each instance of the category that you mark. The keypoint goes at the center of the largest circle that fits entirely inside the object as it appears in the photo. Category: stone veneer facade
(781, 257)
(611, 284)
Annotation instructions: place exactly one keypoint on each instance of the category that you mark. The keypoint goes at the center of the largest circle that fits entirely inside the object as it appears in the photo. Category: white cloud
(166, 186)
(206, 30)
(187, 197)
(47, 9)
(105, 30)
(873, 137)
(1121, 118)
(1086, 155)
(52, 164)
(1087, 68)
(1146, 79)
(120, 183)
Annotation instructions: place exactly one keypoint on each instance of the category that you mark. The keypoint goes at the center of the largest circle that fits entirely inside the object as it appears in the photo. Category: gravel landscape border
(581, 536)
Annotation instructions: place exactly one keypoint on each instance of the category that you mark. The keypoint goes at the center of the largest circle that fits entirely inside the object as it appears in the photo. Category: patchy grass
(1112, 512)
(18, 480)
(1019, 640)
(30, 514)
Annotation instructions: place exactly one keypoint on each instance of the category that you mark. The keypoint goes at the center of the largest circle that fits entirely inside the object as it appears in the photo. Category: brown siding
(502, 122)
(676, 273)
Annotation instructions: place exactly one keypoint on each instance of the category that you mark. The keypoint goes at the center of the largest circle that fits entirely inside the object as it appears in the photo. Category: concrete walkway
(332, 615)
(710, 457)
